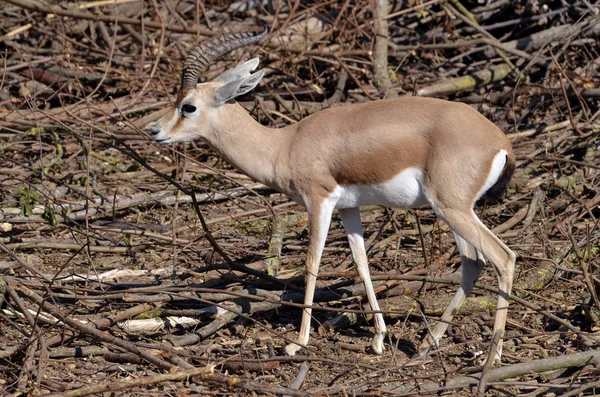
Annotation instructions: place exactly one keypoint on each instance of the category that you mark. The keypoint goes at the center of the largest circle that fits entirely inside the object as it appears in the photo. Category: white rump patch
(497, 167)
(405, 190)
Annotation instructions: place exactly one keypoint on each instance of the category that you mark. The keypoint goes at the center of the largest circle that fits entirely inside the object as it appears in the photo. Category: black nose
(154, 130)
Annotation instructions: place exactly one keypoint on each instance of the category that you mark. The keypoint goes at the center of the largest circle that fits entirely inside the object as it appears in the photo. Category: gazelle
(403, 152)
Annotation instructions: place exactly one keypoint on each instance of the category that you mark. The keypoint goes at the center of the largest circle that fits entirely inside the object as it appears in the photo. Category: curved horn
(209, 50)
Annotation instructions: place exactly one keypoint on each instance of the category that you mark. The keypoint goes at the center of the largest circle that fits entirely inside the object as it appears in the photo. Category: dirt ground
(109, 278)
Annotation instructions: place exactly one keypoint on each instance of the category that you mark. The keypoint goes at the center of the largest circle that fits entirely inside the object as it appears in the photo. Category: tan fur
(367, 143)
(451, 144)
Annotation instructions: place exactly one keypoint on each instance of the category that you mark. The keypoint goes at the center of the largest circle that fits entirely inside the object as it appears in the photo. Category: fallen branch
(101, 206)
(90, 330)
(576, 360)
(541, 39)
(143, 381)
(302, 371)
(32, 6)
(477, 79)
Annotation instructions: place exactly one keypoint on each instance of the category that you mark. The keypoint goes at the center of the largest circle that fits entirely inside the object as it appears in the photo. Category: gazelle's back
(374, 142)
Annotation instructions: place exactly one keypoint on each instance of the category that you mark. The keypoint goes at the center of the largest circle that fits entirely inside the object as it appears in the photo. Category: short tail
(496, 192)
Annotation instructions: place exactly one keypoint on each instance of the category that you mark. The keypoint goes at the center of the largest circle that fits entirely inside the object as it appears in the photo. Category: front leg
(319, 218)
(352, 225)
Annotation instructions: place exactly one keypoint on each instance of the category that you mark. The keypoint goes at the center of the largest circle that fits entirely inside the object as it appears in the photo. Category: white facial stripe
(172, 122)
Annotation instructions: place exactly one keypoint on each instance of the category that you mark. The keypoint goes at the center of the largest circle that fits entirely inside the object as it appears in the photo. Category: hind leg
(465, 223)
(472, 265)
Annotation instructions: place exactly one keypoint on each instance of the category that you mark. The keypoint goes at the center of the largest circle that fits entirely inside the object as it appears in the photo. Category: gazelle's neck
(249, 146)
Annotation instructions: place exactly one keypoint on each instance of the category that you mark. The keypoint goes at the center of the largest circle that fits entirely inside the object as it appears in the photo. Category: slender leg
(352, 225)
(319, 218)
(472, 265)
(466, 224)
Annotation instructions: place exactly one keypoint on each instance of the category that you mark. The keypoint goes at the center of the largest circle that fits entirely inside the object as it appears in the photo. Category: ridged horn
(211, 49)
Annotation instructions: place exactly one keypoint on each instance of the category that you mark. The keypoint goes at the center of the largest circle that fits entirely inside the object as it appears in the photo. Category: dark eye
(187, 108)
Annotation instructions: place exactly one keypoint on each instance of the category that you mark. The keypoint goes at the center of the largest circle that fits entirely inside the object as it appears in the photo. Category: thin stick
(143, 381)
(564, 91)
(106, 18)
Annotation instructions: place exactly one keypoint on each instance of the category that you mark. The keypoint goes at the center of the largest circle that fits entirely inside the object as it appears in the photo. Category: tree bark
(381, 78)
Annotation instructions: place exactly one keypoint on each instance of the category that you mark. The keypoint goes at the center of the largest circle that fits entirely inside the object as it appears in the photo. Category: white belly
(405, 190)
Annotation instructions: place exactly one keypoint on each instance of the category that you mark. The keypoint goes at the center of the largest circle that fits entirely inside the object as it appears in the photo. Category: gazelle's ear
(238, 87)
(239, 72)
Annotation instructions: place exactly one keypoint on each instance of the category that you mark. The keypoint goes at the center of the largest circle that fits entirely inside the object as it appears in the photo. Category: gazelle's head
(197, 109)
